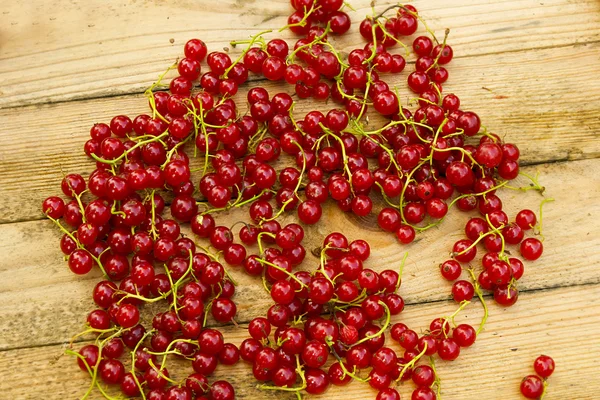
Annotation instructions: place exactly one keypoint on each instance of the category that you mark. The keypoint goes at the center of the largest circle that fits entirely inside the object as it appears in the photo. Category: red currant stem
(408, 179)
(277, 267)
(337, 55)
(113, 209)
(65, 231)
(95, 368)
(463, 151)
(386, 33)
(539, 224)
(291, 114)
(125, 153)
(228, 275)
(259, 241)
(153, 219)
(501, 254)
(264, 282)
(381, 14)
(280, 211)
(127, 295)
(304, 19)
(98, 262)
(479, 239)
(462, 196)
(80, 204)
(356, 302)
(149, 93)
(210, 304)
(175, 286)
(328, 133)
(544, 391)
(374, 48)
(302, 170)
(363, 107)
(90, 330)
(388, 316)
(385, 197)
(169, 351)
(451, 317)
(437, 382)
(412, 362)
(399, 281)
(253, 142)
(322, 259)
(434, 141)
(338, 83)
(299, 319)
(133, 357)
(534, 186)
(349, 6)
(435, 61)
(292, 56)
(174, 149)
(92, 374)
(253, 39)
(200, 117)
(481, 299)
(160, 373)
(414, 14)
(403, 122)
(341, 362)
(214, 257)
(300, 372)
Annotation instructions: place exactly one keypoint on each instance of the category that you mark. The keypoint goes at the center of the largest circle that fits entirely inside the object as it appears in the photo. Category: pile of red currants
(198, 154)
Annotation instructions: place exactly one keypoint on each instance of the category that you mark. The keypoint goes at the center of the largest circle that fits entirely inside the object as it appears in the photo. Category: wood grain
(564, 328)
(39, 287)
(63, 51)
(551, 113)
(528, 67)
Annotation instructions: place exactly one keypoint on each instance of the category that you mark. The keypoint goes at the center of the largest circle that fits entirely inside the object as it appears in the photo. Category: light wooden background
(64, 66)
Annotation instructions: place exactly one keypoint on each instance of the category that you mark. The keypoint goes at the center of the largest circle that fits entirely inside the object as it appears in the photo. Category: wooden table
(528, 67)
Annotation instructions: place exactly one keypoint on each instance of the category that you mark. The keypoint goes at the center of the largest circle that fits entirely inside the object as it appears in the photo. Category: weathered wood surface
(65, 66)
(63, 50)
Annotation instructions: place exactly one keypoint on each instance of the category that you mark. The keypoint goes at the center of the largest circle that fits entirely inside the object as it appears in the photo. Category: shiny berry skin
(544, 366)
(450, 270)
(317, 381)
(111, 371)
(462, 290)
(80, 262)
(506, 295)
(460, 252)
(526, 219)
(222, 390)
(195, 49)
(531, 249)
(315, 354)
(386, 103)
(423, 393)
(464, 335)
(423, 375)
(448, 349)
(532, 387)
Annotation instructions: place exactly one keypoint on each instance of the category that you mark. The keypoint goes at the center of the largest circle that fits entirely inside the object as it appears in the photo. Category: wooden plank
(491, 369)
(525, 113)
(66, 51)
(39, 288)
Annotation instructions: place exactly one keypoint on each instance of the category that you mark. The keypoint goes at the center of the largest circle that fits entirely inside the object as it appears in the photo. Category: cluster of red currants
(419, 162)
(534, 386)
